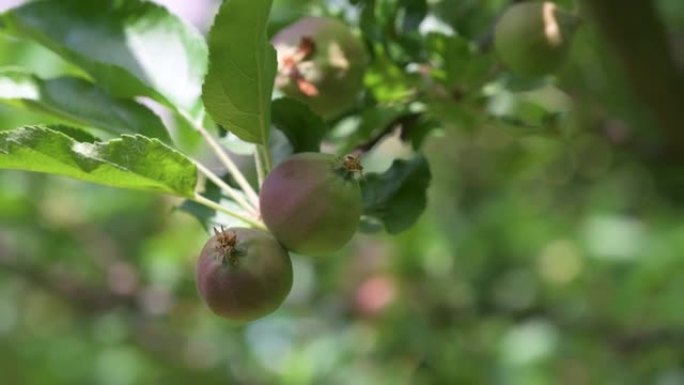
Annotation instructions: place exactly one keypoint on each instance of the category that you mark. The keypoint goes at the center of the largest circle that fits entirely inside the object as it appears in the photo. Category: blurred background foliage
(551, 250)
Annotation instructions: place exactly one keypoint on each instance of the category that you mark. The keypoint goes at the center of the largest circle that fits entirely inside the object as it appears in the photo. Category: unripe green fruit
(532, 38)
(311, 202)
(243, 274)
(320, 63)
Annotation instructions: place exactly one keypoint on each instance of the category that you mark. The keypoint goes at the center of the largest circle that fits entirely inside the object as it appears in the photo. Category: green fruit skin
(338, 85)
(253, 287)
(310, 205)
(522, 44)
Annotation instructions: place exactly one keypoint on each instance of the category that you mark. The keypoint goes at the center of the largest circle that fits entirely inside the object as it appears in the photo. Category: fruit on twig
(533, 38)
(311, 202)
(320, 63)
(243, 274)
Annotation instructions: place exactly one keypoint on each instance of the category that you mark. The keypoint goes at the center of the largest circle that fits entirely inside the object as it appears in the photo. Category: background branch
(403, 122)
(636, 34)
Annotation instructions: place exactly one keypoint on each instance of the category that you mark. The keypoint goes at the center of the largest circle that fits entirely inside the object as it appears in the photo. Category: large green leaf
(130, 47)
(242, 67)
(131, 161)
(302, 127)
(76, 101)
(397, 197)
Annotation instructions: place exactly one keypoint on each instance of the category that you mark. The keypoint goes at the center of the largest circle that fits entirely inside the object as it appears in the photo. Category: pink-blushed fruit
(311, 202)
(320, 63)
(243, 274)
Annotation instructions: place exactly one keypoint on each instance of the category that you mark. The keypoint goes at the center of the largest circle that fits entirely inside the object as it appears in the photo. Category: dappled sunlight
(552, 29)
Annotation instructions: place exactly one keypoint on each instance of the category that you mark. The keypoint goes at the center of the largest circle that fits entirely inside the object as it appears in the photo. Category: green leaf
(78, 102)
(388, 83)
(461, 66)
(302, 127)
(130, 47)
(397, 197)
(414, 13)
(419, 131)
(75, 133)
(131, 161)
(242, 67)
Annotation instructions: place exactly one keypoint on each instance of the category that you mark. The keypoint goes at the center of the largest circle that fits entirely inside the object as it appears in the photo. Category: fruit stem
(232, 193)
(213, 205)
(266, 156)
(261, 170)
(229, 164)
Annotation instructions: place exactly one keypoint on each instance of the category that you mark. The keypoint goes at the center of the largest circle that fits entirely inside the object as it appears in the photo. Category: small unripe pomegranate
(532, 38)
(311, 202)
(320, 63)
(243, 274)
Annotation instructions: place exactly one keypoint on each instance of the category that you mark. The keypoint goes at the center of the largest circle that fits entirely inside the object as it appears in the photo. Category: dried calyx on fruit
(533, 38)
(225, 249)
(243, 274)
(320, 63)
(311, 202)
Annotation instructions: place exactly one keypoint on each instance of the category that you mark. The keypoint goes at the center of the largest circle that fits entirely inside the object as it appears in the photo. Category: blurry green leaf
(242, 68)
(368, 22)
(375, 119)
(398, 196)
(414, 13)
(284, 12)
(539, 108)
(451, 114)
(459, 64)
(388, 82)
(133, 162)
(79, 102)
(129, 47)
(519, 83)
(303, 128)
(419, 131)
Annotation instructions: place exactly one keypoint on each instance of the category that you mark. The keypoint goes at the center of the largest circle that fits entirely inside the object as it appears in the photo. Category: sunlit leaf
(242, 67)
(130, 47)
(131, 161)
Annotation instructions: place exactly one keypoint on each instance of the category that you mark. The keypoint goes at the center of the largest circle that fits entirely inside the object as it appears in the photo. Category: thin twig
(406, 122)
(213, 205)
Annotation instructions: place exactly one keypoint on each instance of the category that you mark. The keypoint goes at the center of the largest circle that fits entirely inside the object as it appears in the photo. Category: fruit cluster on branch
(311, 203)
